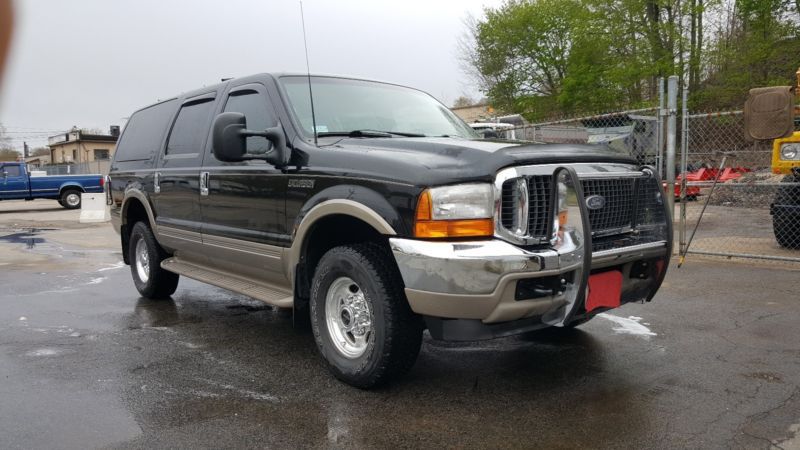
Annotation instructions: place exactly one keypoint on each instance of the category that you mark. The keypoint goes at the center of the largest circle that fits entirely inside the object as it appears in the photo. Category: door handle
(157, 183)
(204, 183)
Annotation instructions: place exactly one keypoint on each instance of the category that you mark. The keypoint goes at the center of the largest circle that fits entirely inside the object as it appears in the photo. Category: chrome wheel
(348, 317)
(142, 261)
(72, 199)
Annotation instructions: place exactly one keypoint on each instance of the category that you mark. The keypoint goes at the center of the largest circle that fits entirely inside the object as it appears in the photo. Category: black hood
(434, 161)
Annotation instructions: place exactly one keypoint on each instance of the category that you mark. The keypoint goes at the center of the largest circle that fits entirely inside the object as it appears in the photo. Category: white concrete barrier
(94, 208)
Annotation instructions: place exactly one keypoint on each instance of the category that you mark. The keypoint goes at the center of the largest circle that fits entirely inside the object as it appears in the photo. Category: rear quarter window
(144, 132)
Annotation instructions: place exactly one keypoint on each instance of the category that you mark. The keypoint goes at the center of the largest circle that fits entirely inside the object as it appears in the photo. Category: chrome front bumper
(478, 279)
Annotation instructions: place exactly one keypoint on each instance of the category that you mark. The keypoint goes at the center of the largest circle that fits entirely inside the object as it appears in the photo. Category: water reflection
(154, 313)
(27, 238)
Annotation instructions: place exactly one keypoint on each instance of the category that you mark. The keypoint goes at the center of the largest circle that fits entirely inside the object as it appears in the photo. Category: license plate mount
(605, 290)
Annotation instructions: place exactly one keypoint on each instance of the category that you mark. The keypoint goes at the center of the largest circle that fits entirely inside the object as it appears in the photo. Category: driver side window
(10, 171)
(256, 109)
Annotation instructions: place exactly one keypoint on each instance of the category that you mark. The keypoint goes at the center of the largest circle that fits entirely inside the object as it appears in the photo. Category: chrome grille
(507, 208)
(629, 203)
(540, 188)
(649, 203)
(617, 214)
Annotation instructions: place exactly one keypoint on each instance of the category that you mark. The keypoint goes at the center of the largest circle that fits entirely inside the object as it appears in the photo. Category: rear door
(13, 182)
(177, 177)
(244, 225)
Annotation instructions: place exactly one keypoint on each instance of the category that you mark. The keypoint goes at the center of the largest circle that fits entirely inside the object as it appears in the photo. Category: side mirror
(490, 134)
(229, 140)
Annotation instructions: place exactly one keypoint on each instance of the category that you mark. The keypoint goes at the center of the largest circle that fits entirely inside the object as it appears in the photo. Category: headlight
(790, 151)
(463, 210)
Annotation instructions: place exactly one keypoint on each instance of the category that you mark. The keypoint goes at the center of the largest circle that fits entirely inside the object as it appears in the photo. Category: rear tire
(362, 323)
(70, 199)
(145, 256)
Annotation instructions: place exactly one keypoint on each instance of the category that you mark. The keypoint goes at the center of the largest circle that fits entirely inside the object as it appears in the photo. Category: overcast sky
(91, 63)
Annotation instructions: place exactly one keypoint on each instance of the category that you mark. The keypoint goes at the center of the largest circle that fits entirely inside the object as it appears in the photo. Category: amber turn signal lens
(423, 207)
(453, 228)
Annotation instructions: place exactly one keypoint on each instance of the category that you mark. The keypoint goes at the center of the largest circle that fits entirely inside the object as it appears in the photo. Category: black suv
(377, 213)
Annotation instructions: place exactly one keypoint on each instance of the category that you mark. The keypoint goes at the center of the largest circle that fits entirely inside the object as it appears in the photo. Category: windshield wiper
(368, 133)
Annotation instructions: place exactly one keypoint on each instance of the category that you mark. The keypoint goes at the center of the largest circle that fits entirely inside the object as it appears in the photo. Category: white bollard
(93, 208)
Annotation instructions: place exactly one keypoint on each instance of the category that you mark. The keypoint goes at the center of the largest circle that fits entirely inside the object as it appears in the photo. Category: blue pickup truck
(16, 183)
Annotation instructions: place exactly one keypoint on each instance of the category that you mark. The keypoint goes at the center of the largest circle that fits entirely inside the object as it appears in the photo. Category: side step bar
(268, 293)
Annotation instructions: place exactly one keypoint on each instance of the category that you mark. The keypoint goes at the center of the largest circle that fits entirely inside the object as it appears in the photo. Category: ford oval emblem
(595, 202)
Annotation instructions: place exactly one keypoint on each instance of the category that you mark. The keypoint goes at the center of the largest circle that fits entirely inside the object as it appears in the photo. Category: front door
(244, 225)
(177, 179)
(13, 182)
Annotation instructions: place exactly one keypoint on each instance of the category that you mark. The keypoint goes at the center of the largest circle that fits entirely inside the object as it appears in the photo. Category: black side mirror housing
(490, 134)
(229, 140)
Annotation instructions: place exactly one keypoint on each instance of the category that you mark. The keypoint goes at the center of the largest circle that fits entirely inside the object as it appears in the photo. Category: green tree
(550, 57)
(522, 49)
(760, 47)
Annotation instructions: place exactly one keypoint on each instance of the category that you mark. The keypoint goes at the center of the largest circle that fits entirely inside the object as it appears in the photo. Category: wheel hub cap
(348, 317)
(73, 199)
(142, 261)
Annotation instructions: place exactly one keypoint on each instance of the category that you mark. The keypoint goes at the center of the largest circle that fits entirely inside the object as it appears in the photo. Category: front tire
(70, 199)
(145, 256)
(362, 323)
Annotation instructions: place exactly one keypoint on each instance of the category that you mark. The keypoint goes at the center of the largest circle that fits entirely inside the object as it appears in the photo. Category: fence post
(660, 124)
(672, 109)
(684, 167)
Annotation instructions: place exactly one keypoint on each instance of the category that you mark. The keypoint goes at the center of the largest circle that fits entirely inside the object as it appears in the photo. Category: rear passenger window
(191, 128)
(259, 117)
(144, 132)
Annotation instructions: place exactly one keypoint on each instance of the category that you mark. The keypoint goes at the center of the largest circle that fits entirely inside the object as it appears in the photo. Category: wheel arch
(70, 185)
(329, 224)
(135, 208)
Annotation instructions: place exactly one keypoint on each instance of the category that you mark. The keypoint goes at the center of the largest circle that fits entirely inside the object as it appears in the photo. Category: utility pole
(25, 153)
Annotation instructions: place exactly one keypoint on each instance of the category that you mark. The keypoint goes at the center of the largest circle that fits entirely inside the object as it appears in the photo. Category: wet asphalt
(712, 362)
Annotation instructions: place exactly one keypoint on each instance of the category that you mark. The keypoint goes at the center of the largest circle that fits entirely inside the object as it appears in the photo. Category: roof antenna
(308, 71)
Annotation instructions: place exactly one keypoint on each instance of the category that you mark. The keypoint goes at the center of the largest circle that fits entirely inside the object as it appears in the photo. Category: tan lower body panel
(275, 295)
(498, 306)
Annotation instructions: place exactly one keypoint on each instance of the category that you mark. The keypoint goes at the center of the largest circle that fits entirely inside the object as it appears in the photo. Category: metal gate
(728, 180)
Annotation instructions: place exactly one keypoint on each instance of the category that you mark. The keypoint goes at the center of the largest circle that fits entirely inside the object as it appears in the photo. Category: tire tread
(161, 283)
(404, 334)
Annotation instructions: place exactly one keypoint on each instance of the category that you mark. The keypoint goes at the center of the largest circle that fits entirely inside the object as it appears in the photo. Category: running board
(268, 293)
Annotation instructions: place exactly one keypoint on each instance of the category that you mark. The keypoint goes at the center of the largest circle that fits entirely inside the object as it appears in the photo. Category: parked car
(495, 129)
(378, 215)
(16, 183)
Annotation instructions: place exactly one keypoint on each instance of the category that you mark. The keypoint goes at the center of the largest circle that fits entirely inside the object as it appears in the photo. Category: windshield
(343, 106)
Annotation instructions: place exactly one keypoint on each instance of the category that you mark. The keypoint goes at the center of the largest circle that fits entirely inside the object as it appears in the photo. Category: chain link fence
(636, 132)
(732, 205)
(747, 210)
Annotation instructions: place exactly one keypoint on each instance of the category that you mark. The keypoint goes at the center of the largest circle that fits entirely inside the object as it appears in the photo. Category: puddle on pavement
(32, 239)
(29, 237)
